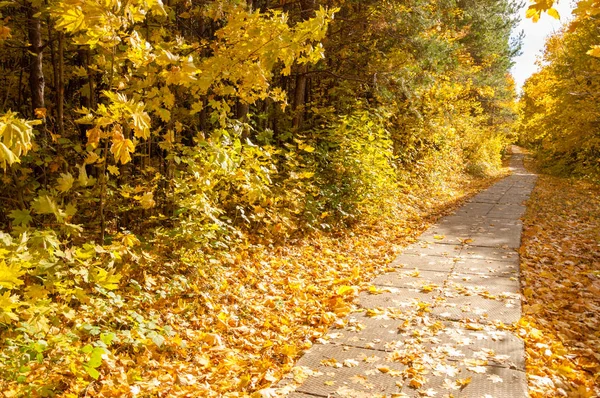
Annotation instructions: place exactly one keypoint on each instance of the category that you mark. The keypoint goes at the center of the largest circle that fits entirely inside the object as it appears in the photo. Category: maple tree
(159, 157)
(559, 104)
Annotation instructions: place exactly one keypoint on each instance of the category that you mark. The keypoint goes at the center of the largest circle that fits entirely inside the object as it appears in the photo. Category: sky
(535, 37)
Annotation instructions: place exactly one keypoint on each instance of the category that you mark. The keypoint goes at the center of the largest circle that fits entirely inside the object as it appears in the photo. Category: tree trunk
(307, 11)
(60, 86)
(300, 96)
(242, 110)
(36, 73)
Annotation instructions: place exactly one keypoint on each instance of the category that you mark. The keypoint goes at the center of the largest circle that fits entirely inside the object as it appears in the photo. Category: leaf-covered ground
(229, 329)
(560, 260)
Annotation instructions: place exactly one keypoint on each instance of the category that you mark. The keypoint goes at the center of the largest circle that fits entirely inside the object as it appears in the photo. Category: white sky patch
(535, 37)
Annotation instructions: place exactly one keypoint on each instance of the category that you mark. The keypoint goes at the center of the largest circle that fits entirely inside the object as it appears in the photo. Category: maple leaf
(147, 200)
(72, 19)
(594, 51)
(44, 204)
(107, 279)
(442, 369)
(477, 369)
(7, 304)
(495, 379)
(40, 113)
(347, 290)
(141, 121)
(91, 158)
(65, 182)
(462, 383)
(94, 134)
(21, 217)
(376, 290)
(9, 275)
(213, 340)
(428, 288)
(36, 292)
(121, 148)
(331, 362)
(114, 170)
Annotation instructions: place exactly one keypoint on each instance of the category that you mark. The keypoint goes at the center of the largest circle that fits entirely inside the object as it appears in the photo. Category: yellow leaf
(130, 240)
(214, 340)
(94, 135)
(342, 290)
(196, 107)
(473, 326)
(416, 382)
(289, 350)
(114, 170)
(45, 204)
(462, 383)
(121, 148)
(7, 304)
(71, 18)
(594, 51)
(331, 362)
(141, 121)
(533, 13)
(373, 312)
(9, 275)
(108, 280)
(553, 13)
(91, 158)
(40, 113)
(147, 200)
(376, 290)
(65, 182)
(565, 370)
(428, 288)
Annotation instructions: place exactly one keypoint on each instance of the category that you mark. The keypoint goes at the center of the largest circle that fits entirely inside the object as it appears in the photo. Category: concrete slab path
(436, 326)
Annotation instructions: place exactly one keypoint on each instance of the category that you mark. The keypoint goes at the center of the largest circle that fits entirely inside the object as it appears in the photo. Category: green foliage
(355, 167)
(210, 199)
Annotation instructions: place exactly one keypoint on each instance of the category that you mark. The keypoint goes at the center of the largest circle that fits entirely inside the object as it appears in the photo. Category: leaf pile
(560, 260)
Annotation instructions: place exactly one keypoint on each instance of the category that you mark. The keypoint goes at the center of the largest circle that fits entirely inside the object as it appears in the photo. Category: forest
(191, 190)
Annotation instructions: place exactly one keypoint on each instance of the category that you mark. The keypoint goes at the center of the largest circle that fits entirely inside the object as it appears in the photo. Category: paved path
(434, 327)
